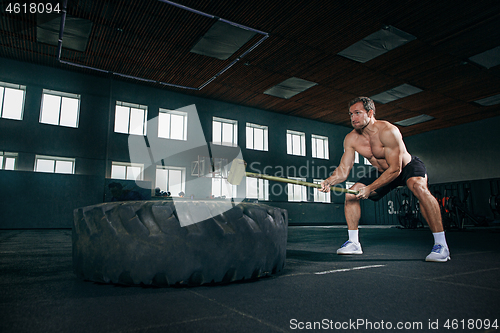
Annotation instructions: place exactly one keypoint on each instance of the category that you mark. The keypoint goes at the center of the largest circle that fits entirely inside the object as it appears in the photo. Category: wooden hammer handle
(298, 182)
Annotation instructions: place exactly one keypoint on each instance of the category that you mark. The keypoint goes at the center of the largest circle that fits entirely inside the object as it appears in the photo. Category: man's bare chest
(370, 147)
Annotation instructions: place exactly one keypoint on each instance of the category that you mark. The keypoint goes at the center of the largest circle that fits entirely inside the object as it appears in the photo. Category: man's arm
(393, 150)
(342, 171)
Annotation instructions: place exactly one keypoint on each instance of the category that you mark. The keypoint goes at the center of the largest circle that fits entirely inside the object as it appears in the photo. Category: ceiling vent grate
(393, 94)
(289, 88)
(64, 18)
(414, 120)
(488, 59)
(76, 31)
(222, 40)
(492, 100)
(377, 44)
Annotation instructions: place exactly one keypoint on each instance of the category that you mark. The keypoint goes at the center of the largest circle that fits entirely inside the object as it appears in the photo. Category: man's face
(359, 116)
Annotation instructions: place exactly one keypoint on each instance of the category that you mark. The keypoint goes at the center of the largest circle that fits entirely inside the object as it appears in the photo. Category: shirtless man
(382, 144)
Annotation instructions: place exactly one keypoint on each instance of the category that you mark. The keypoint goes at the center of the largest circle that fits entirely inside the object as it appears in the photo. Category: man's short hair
(367, 103)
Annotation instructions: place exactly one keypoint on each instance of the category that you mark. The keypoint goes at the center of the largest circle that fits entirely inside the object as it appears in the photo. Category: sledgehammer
(237, 172)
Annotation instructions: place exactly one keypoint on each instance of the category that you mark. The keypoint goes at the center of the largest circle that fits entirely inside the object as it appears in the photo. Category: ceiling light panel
(488, 59)
(393, 94)
(414, 120)
(492, 100)
(377, 44)
(76, 31)
(222, 40)
(289, 88)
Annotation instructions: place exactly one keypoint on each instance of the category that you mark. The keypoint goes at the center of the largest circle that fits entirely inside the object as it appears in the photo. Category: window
(8, 161)
(257, 137)
(225, 132)
(130, 118)
(12, 101)
(60, 108)
(357, 158)
(54, 164)
(295, 143)
(297, 192)
(172, 125)
(257, 188)
(171, 179)
(222, 188)
(131, 171)
(320, 196)
(320, 147)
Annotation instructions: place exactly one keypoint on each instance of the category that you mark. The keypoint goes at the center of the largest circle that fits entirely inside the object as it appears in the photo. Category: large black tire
(142, 242)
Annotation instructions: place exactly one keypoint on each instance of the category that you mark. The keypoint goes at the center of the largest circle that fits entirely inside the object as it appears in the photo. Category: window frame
(168, 169)
(292, 188)
(290, 142)
(223, 181)
(55, 159)
(3, 160)
(262, 187)
(356, 157)
(4, 86)
(127, 165)
(314, 144)
(234, 129)
(250, 127)
(131, 106)
(62, 96)
(184, 125)
(321, 196)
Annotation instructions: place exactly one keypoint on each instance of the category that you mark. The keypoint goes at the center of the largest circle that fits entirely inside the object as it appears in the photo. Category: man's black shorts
(416, 168)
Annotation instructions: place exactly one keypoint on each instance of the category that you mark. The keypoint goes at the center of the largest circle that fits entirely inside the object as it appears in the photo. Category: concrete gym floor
(389, 286)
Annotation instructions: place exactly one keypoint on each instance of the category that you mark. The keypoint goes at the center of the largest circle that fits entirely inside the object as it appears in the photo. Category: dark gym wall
(463, 152)
(94, 145)
(28, 137)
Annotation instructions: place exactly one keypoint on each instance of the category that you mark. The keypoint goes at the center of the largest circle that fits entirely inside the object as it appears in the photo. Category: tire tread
(142, 243)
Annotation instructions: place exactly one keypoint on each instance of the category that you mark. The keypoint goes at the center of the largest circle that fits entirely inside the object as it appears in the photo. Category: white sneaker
(350, 248)
(439, 253)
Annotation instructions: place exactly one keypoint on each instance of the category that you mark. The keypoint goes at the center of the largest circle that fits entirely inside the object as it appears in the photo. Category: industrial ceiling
(299, 58)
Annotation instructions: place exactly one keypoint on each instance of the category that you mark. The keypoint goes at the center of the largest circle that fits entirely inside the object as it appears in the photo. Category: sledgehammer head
(237, 171)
